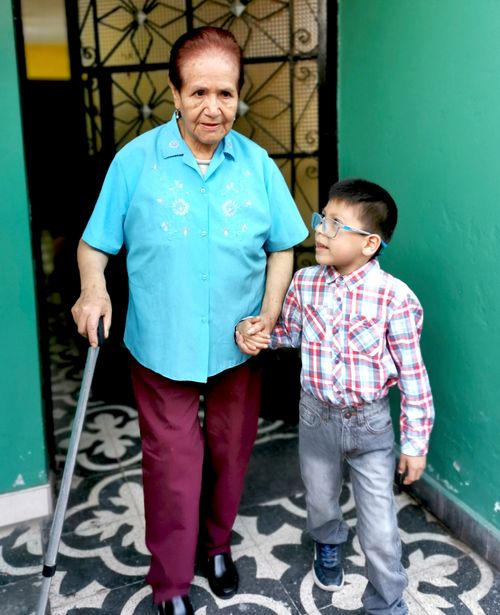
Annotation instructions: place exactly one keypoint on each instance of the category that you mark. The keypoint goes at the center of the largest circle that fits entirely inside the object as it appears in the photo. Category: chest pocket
(315, 323)
(365, 335)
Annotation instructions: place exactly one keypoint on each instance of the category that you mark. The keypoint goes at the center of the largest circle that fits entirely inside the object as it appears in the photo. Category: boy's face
(347, 251)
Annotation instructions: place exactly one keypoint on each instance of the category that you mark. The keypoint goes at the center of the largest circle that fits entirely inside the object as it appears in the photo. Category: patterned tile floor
(103, 559)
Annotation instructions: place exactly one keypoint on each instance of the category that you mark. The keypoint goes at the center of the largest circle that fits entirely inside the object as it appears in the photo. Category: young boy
(359, 329)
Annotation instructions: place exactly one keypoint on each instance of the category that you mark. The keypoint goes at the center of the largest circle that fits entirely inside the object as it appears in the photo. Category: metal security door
(119, 52)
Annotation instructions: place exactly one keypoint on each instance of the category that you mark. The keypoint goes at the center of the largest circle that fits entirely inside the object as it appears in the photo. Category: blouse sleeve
(104, 231)
(287, 227)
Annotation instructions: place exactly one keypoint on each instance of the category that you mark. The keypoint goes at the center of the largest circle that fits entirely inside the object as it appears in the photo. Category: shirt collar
(356, 277)
(172, 143)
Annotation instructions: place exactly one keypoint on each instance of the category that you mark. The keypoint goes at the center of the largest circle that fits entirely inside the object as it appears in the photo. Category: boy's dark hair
(378, 209)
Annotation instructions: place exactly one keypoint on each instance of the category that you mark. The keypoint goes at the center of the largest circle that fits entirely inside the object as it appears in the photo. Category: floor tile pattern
(103, 559)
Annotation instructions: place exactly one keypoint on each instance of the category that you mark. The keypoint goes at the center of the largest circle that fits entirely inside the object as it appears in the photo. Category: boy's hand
(251, 335)
(412, 467)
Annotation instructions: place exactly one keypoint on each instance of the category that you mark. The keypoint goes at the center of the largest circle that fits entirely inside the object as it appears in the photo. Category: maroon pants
(178, 455)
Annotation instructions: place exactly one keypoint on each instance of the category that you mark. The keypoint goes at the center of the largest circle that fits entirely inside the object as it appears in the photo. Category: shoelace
(328, 555)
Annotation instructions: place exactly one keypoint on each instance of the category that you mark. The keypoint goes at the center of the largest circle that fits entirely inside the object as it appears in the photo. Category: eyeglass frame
(317, 220)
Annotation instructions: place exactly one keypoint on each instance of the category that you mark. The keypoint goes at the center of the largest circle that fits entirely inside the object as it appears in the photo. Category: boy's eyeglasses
(330, 228)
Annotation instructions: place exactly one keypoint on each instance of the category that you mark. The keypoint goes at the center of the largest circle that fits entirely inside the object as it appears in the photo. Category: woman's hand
(254, 334)
(94, 300)
(90, 306)
(251, 335)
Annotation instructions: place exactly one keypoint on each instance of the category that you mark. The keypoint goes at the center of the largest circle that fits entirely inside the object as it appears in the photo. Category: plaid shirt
(359, 335)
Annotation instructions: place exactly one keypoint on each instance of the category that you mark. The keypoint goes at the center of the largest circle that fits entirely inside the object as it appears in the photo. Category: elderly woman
(209, 228)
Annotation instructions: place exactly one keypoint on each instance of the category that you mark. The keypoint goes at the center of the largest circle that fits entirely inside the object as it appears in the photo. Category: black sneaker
(179, 605)
(327, 569)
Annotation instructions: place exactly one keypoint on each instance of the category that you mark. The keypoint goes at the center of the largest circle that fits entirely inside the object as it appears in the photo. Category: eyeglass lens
(328, 227)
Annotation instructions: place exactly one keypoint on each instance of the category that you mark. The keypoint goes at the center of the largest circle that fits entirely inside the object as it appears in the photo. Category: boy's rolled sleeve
(288, 330)
(417, 408)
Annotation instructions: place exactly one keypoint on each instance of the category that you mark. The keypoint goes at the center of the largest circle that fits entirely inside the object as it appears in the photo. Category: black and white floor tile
(103, 559)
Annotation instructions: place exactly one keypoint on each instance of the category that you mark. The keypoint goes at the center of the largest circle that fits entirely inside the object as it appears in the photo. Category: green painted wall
(22, 442)
(419, 92)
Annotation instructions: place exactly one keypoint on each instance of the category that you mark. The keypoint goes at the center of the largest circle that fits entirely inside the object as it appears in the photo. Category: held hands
(252, 335)
(90, 306)
(412, 467)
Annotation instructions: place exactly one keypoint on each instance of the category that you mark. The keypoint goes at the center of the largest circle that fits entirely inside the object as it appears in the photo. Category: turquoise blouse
(196, 245)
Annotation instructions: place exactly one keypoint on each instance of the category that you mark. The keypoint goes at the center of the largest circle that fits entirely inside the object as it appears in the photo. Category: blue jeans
(364, 438)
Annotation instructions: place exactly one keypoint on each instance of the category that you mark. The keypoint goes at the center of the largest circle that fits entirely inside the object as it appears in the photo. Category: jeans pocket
(307, 415)
(379, 421)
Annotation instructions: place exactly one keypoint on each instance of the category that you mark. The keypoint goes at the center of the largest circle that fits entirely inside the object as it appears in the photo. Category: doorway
(111, 63)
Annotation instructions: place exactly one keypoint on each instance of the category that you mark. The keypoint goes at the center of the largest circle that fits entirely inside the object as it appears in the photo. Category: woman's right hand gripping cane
(94, 300)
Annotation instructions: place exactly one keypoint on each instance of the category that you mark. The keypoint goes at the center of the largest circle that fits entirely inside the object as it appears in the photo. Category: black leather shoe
(222, 575)
(179, 605)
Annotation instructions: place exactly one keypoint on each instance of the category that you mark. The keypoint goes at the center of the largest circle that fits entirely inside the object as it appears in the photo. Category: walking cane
(49, 563)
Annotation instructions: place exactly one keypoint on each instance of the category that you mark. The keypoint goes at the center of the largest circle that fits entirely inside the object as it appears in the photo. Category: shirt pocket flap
(365, 335)
(315, 322)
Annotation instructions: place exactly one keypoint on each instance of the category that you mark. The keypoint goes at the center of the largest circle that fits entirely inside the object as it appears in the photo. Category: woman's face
(207, 100)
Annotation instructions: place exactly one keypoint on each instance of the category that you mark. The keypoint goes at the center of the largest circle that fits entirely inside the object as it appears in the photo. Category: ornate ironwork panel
(122, 52)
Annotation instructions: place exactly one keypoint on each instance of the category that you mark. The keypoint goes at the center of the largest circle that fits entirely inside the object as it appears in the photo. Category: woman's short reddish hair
(199, 41)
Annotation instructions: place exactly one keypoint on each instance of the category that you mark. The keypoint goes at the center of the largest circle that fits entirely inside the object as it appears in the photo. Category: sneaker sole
(328, 588)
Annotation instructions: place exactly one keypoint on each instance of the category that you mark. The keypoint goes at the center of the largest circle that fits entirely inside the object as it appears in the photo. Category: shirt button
(204, 276)
(203, 189)
(337, 360)
(204, 319)
(203, 233)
